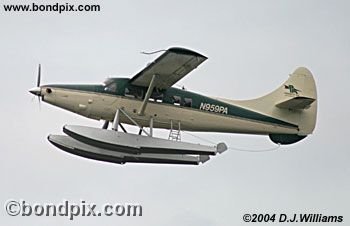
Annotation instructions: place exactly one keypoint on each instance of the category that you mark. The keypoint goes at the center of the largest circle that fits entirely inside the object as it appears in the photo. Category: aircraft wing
(168, 68)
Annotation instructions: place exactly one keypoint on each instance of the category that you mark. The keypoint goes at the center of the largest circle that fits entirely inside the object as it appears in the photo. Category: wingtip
(181, 50)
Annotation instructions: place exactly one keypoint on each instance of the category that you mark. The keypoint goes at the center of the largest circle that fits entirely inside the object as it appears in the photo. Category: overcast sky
(252, 46)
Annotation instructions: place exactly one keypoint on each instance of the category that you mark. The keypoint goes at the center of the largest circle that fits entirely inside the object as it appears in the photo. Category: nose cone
(35, 91)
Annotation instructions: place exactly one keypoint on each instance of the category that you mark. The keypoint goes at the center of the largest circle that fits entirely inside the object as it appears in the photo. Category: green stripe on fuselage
(198, 102)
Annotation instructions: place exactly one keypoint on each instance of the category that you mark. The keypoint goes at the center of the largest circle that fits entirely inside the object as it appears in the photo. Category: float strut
(151, 127)
(116, 121)
(105, 124)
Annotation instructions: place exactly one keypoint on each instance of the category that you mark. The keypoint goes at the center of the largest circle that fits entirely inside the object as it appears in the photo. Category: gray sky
(252, 47)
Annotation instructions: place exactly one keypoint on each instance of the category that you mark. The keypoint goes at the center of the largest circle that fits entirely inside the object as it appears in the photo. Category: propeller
(37, 90)
(38, 84)
(39, 76)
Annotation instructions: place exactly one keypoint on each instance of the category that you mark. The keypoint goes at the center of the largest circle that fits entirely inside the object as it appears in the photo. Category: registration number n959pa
(213, 108)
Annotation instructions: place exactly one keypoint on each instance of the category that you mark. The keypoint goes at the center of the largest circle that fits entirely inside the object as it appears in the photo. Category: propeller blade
(37, 90)
(39, 99)
(39, 76)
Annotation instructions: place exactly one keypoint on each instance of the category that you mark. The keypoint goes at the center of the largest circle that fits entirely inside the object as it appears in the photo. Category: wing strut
(116, 122)
(148, 95)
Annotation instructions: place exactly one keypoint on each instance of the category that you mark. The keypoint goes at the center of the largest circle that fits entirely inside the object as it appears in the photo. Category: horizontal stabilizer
(296, 103)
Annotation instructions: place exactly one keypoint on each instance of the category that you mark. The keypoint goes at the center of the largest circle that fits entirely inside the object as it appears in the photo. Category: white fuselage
(103, 106)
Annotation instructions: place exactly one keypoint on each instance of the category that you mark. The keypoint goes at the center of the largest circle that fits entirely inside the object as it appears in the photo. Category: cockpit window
(110, 86)
(134, 92)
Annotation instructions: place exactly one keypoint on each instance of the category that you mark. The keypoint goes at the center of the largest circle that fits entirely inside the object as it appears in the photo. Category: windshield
(110, 85)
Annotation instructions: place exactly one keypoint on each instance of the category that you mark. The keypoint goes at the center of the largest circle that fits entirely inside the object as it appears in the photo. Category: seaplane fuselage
(169, 108)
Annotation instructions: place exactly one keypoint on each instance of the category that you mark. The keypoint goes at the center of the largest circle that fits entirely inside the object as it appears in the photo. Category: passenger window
(187, 102)
(177, 100)
(157, 96)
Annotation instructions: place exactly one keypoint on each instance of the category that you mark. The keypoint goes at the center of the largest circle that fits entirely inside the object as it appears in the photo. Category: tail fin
(300, 97)
(294, 101)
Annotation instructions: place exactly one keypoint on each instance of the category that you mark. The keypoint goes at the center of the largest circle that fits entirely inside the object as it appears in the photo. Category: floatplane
(148, 100)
